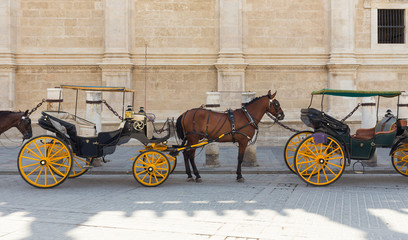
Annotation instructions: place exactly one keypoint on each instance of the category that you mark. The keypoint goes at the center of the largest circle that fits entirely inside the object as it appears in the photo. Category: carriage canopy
(98, 88)
(356, 93)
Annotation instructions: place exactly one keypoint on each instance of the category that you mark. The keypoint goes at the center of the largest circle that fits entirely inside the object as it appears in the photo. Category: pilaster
(342, 65)
(116, 75)
(116, 65)
(230, 63)
(231, 84)
(7, 59)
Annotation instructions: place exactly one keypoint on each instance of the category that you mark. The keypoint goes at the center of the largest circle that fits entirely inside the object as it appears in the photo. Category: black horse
(20, 120)
(198, 123)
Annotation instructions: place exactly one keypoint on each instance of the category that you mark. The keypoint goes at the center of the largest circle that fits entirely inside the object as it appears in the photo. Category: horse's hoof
(198, 180)
(190, 179)
(241, 180)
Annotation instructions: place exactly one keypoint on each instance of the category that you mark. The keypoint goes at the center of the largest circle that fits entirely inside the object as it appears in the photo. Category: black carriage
(320, 156)
(46, 161)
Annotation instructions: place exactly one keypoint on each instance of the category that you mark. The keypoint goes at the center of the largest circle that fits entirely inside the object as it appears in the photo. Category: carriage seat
(79, 126)
(381, 128)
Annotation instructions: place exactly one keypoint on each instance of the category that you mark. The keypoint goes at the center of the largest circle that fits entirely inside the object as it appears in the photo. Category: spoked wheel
(77, 163)
(44, 161)
(172, 161)
(78, 166)
(291, 146)
(399, 159)
(151, 168)
(319, 164)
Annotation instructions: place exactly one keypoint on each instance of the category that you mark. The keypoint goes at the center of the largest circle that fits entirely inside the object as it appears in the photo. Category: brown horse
(20, 120)
(198, 123)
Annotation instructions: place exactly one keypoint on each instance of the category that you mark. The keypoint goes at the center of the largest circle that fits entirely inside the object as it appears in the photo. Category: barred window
(391, 26)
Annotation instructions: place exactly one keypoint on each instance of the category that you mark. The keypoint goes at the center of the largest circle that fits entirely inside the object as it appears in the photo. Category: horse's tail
(179, 127)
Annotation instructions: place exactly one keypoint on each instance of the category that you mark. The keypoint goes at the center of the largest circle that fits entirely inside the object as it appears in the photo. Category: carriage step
(87, 166)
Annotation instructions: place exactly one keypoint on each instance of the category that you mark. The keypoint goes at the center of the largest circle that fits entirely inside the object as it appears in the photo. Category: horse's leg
(186, 155)
(241, 151)
(193, 165)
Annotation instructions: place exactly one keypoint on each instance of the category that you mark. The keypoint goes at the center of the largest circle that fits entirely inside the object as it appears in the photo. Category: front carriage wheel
(172, 161)
(319, 164)
(399, 159)
(151, 168)
(44, 161)
(291, 146)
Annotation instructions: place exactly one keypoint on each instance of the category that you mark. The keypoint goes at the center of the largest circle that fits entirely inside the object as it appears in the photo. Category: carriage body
(359, 146)
(46, 161)
(320, 157)
(81, 134)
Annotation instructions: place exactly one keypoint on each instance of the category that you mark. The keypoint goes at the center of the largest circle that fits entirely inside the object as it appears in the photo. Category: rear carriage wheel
(151, 168)
(44, 161)
(319, 164)
(79, 166)
(291, 146)
(399, 159)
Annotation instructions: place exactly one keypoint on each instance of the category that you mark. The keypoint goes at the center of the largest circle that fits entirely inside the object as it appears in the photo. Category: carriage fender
(345, 148)
(395, 146)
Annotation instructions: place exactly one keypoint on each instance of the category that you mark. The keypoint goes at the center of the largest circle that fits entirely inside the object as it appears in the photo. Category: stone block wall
(183, 49)
(33, 81)
(47, 25)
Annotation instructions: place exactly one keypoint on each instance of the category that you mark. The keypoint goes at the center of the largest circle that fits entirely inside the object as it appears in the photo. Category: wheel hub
(150, 169)
(43, 162)
(321, 161)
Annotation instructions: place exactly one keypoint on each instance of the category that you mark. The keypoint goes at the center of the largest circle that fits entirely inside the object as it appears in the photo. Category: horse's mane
(3, 113)
(254, 100)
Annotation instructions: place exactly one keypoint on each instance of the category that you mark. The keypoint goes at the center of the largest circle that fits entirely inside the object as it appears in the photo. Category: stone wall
(171, 90)
(75, 26)
(33, 81)
(183, 49)
(286, 26)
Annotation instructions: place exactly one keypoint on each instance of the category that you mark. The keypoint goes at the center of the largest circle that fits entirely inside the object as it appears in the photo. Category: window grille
(391, 26)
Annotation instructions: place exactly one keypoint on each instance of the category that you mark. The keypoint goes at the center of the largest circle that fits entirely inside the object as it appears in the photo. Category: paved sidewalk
(265, 207)
(269, 158)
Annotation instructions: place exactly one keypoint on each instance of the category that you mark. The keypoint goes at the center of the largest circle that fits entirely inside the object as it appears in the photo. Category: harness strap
(250, 119)
(208, 121)
(230, 114)
(194, 119)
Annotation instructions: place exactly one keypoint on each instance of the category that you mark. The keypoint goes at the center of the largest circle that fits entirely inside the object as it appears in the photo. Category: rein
(19, 146)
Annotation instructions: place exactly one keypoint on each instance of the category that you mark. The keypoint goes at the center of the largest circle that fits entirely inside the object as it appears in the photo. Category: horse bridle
(26, 121)
(275, 103)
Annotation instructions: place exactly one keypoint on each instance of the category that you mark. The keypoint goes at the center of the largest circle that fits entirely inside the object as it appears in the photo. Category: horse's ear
(271, 96)
(25, 113)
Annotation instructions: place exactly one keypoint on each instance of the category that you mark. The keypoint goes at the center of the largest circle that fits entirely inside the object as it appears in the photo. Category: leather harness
(231, 118)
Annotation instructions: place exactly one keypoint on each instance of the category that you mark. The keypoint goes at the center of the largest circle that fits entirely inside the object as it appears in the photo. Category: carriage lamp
(129, 112)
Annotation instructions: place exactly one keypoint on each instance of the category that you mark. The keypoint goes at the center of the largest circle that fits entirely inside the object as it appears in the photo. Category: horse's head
(274, 106)
(24, 126)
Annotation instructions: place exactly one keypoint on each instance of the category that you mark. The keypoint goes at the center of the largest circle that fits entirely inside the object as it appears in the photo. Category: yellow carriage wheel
(172, 161)
(319, 164)
(44, 161)
(78, 166)
(291, 146)
(78, 163)
(151, 168)
(399, 159)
